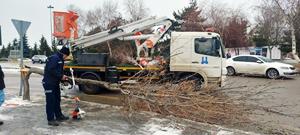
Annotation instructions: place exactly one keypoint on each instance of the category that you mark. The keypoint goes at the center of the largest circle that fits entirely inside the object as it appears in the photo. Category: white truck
(195, 56)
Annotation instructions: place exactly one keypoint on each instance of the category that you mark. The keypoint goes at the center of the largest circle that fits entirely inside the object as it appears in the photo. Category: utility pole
(50, 10)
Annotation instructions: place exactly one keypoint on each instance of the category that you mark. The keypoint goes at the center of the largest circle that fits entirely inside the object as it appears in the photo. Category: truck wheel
(198, 82)
(90, 89)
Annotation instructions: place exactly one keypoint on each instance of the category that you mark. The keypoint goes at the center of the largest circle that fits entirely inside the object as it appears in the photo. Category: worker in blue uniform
(53, 74)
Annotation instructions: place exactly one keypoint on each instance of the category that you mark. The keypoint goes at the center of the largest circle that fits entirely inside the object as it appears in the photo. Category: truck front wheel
(88, 88)
(197, 80)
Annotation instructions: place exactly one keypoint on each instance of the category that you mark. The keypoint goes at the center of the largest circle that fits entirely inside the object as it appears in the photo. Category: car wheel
(40, 62)
(272, 73)
(230, 71)
(33, 62)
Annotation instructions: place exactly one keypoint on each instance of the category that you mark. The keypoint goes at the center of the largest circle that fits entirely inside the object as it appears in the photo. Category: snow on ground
(12, 102)
(223, 132)
(6, 117)
(157, 126)
(17, 101)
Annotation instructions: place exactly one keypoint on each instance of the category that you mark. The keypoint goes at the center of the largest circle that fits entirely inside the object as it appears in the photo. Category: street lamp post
(50, 10)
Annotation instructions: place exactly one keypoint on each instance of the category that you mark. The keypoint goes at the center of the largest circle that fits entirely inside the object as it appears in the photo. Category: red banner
(64, 24)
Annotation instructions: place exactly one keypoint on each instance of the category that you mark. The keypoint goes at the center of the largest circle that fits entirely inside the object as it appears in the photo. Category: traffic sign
(21, 26)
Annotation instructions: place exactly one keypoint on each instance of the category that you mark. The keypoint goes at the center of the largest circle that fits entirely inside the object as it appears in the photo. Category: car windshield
(265, 59)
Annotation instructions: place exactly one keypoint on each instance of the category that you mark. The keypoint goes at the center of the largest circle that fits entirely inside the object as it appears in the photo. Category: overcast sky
(36, 11)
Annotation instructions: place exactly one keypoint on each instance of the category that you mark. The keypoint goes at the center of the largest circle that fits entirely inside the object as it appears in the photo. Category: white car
(258, 65)
(39, 59)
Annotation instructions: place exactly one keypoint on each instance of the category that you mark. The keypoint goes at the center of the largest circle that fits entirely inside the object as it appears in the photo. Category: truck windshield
(208, 46)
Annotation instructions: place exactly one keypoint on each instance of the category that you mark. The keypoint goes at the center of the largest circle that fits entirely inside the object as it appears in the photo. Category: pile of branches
(207, 105)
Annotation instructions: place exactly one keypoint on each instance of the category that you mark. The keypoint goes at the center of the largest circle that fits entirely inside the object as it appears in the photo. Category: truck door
(206, 56)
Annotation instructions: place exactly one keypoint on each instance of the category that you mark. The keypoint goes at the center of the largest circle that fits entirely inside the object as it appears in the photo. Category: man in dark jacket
(53, 74)
(2, 86)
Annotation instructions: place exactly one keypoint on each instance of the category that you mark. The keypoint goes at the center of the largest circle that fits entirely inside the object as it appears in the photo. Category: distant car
(39, 59)
(258, 65)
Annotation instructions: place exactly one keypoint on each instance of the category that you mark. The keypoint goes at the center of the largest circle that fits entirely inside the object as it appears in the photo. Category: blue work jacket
(54, 69)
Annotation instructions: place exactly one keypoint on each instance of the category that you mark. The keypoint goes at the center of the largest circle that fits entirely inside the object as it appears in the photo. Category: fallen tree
(26, 72)
(181, 100)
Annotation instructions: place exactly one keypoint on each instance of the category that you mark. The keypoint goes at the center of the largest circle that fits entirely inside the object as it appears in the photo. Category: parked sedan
(39, 58)
(258, 65)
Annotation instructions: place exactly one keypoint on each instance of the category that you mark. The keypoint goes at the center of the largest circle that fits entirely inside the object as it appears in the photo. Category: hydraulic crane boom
(126, 32)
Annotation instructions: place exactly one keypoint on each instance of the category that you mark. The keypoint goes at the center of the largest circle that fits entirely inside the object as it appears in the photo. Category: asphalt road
(279, 97)
(12, 78)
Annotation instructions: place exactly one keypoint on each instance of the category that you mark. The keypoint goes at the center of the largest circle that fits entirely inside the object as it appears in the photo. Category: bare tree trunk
(293, 41)
(109, 48)
(270, 51)
(290, 17)
(26, 72)
(25, 78)
(294, 50)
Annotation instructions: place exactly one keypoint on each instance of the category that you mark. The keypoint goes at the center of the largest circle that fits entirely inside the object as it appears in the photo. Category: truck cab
(198, 54)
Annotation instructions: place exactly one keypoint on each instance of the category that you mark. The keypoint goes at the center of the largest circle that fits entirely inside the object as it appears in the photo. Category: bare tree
(96, 19)
(136, 9)
(290, 8)
(218, 17)
(270, 24)
(235, 33)
(230, 23)
(81, 22)
(109, 12)
(92, 19)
